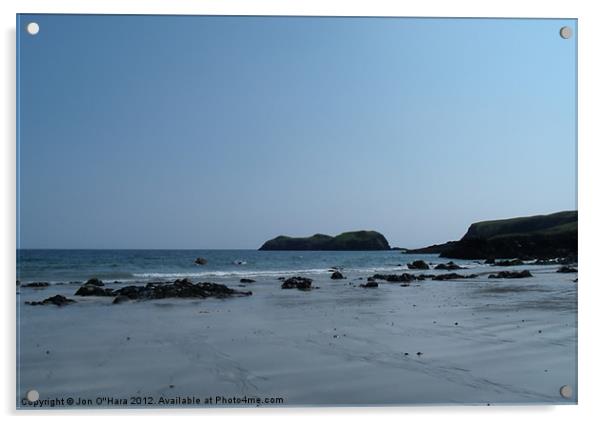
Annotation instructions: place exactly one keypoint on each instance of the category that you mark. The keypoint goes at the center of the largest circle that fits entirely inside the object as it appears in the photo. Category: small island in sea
(352, 240)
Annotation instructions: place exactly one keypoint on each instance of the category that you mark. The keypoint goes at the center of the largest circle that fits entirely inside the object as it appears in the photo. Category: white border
(590, 95)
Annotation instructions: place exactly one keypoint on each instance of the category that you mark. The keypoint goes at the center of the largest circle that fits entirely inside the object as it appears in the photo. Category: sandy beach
(478, 341)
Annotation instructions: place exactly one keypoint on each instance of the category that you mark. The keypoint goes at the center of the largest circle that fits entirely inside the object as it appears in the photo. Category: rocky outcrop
(36, 285)
(57, 300)
(300, 283)
(450, 266)
(453, 276)
(369, 285)
(246, 280)
(420, 264)
(541, 236)
(93, 290)
(337, 275)
(95, 282)
(566, 270)
(512, 274)
(200, 261)
(178, 289)
(394, 278)
(354, 240)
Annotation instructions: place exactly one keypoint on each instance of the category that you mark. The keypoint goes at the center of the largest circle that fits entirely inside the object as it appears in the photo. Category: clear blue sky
(217, 132)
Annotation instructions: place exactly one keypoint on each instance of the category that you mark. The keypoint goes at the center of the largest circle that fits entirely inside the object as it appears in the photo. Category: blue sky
(223, 132)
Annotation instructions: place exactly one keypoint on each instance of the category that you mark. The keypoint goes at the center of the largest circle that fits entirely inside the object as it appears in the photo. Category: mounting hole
(566, 32)
(566, 391)
(33, 28)
(32, 395)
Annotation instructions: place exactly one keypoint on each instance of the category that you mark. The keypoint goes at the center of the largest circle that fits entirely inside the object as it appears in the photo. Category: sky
(223, 132)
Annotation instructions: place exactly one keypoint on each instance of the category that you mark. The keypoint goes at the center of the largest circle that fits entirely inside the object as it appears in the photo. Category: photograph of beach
(229, 211)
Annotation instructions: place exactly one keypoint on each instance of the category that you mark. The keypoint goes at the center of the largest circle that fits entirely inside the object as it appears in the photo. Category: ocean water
(56, 266)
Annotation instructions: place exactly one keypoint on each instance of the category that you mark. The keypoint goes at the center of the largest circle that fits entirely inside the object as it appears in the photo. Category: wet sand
(480, 341)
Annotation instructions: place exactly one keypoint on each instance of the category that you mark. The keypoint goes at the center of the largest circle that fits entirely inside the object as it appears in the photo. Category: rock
(200, 261)
(36, 285)
(93, 290)
(246, 280)
(490, 261)
(422, 277)
(511, 262)
(354, 240)
(420, 264)
(178, 289)
(337, 276)
(566, 269)
(453, 276)
(121, 299)
(57, 300)
(94, 282)
(18, 283)
(369, 285)
(450, 266)
(512, 274)
(394, 278)
(300, 283)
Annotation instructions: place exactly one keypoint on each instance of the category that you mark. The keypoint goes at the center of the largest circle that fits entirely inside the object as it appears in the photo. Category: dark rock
(94, 282)
(453, 276)
(394, 278)
(450, 266)
(300, 283)
(337, 276)
(92, 290)
(200, 261)
(246, 280)
(178, 289)
(566, 269)
(57, 300)
(420, 264)
(281, 278)
(37, 284)
(18, 283)
(121, 299)
(369, 285)
(512, 274)
(422, 277)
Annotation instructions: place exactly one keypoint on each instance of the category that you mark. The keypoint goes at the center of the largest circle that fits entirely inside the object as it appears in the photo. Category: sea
(62, 266)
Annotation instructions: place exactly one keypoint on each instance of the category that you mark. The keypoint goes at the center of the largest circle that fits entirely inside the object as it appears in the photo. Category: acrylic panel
(243, 211)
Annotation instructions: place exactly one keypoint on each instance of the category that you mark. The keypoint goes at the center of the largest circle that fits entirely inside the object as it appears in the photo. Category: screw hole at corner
(33, 28)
